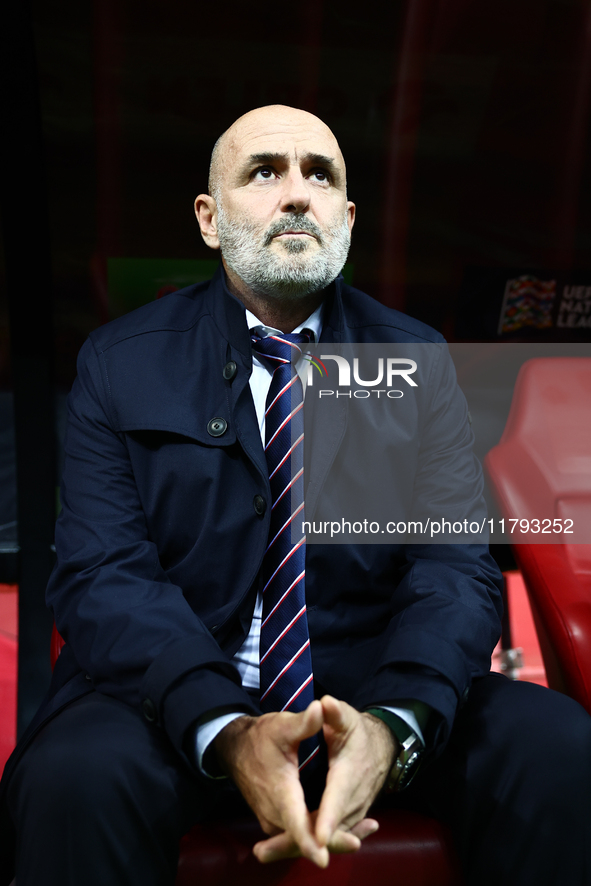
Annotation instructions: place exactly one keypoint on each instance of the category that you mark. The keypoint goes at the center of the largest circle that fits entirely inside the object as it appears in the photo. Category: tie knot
(279, 348)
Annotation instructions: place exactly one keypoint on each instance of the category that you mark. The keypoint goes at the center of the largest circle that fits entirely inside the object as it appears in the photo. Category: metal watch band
(409, 757)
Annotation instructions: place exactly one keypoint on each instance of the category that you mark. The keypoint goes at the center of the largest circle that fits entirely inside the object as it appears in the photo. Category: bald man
(153, 721)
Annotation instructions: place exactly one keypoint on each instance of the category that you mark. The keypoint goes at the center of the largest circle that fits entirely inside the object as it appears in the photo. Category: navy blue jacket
(160, 544)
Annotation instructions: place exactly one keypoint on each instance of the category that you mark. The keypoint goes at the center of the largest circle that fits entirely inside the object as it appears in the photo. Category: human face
(283, 220)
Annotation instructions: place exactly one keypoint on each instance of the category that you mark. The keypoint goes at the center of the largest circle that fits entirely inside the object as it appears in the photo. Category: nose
(296, 194)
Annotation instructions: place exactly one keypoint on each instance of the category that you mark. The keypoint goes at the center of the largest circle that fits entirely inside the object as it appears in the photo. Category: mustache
(293, 223)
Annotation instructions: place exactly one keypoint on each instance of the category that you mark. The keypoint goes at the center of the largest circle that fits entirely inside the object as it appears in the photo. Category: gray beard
(293, 273)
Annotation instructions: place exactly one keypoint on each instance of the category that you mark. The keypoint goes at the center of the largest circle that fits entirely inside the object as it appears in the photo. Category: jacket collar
(229, 313)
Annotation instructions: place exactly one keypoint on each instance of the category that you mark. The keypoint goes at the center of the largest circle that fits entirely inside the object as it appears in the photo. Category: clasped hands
(261, 755)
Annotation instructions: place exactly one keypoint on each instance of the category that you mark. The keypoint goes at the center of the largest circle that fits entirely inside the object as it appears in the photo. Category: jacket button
(217, 426)
(149, 709)
(260, 505)
(229, 370)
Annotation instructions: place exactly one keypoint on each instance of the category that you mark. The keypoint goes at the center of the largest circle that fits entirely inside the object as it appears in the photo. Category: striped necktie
(286, 681)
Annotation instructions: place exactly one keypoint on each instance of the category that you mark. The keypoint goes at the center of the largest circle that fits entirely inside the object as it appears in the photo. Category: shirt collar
(313, 324)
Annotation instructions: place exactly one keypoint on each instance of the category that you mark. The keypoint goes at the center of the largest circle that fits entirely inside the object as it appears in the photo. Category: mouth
(295, 230)
(293, 234)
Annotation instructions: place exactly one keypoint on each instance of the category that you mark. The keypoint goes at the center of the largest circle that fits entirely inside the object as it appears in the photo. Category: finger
(334, 801)
(365, 828)
(275, 848)
(343, 841)
(337, 714)
(301, 833)
(306, 723)
(282, 846)
(298, 825)
(294, 815)
(339, 718)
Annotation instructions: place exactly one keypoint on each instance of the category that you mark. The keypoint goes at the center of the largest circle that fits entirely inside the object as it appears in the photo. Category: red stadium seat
(408, 849)
(420, 850)
(541, 470)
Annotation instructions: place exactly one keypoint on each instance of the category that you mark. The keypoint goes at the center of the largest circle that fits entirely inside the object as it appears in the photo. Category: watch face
(410, 769)
(405, 766)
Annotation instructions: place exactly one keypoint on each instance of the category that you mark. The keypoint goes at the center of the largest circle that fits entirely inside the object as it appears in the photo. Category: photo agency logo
(348, 375)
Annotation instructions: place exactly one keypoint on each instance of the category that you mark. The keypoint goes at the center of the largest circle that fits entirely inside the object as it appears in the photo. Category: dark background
(464, 123)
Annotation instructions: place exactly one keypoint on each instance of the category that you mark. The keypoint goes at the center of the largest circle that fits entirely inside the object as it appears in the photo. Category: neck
(282, 314)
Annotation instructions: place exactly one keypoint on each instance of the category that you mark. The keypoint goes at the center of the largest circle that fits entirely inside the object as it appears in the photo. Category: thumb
(336, 714)
(307, 723)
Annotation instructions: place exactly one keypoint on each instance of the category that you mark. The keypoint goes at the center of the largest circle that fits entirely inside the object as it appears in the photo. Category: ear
(350, 215)
(207, 214)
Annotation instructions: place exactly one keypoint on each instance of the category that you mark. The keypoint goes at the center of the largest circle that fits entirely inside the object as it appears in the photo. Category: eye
(263, 173)
(320, 175)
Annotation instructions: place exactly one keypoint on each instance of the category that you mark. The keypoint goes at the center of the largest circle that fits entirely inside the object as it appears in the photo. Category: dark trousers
(101, 797)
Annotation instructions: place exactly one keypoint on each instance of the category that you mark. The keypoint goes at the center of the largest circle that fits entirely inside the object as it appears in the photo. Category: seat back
(55, 648)
(541, 469)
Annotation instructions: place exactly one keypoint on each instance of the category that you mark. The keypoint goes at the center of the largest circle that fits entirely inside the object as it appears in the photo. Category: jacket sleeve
(445, 624)
(130, 629)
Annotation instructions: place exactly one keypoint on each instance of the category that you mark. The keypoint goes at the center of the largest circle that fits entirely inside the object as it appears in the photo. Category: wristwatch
(410, 754)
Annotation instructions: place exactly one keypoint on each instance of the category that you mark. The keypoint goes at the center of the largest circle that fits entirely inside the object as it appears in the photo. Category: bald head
(259, 125)
(277, 208)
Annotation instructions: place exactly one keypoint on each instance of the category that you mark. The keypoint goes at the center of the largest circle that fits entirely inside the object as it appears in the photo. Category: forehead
(292, 134)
